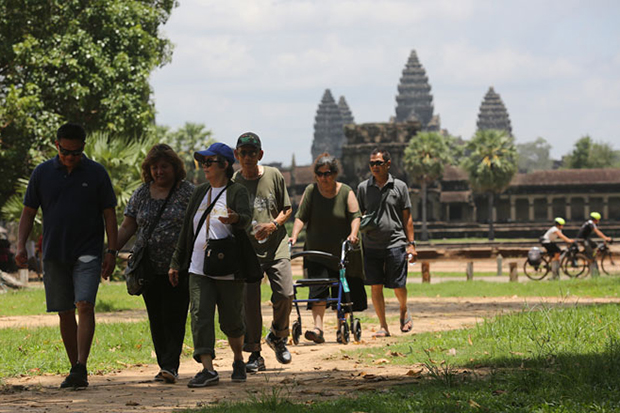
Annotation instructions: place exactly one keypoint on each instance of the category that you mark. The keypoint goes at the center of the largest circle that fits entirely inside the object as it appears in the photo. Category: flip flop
(406, 325)
(381, 334)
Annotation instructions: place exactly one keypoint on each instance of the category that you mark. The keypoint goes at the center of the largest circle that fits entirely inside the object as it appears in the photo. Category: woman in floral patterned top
(166, 305)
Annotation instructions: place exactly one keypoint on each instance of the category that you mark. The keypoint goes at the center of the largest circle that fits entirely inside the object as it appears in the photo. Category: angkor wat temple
(535, 197)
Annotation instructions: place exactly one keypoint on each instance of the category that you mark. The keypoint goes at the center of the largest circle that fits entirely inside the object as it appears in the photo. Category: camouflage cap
(249, 138)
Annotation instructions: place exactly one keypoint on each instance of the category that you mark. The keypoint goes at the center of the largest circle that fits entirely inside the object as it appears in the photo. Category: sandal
(381, 334)
(406, 325)
(315, 335)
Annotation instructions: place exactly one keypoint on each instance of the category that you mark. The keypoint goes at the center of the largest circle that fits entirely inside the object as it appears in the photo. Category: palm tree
(425, 159)
(491, 164)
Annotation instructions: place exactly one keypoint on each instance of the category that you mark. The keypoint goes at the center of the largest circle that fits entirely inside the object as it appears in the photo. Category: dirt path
(317, 371)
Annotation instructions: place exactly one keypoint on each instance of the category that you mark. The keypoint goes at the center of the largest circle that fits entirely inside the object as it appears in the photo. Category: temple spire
(493, 113)
(414, 100)
(328, 127)
(345, 112)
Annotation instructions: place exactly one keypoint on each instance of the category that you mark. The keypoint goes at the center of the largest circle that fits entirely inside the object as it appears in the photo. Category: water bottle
(260, 241)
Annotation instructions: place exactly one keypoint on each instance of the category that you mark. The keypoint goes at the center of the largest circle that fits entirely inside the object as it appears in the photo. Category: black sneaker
(158, 377)
(278, 345)
(77, 378)
(169, 376)
(255, 363)
(238, 374)
(204, 378)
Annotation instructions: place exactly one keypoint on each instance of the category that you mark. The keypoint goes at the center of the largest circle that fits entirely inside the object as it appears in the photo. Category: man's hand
(109, 263)
(412, 254)
(263, 231)
(173, 276)
(21, 258)
(354, 239)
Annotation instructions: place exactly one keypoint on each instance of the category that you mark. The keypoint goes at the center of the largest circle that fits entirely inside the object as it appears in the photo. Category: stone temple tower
(493, 113)
(328, 128)
(345, 112)
(414, 100)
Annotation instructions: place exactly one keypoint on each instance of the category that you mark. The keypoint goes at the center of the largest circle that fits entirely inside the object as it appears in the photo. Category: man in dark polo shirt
(77, 200)
(389, 246)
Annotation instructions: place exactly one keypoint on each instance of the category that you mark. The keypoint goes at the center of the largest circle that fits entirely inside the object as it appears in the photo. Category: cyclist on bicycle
(549, 242)
(585, 234)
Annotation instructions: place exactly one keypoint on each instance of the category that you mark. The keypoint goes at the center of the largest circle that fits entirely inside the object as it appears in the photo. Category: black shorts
(552, 248)
(357, 292)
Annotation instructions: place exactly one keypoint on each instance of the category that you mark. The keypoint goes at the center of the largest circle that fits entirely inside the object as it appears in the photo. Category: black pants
(167, 310)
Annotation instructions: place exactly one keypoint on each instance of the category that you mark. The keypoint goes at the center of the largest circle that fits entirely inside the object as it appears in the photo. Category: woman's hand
(353, 239)
(232, 217)
(173, 276)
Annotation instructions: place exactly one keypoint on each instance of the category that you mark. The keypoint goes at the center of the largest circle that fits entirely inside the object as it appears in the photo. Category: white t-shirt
(217, 230)
(551, 235)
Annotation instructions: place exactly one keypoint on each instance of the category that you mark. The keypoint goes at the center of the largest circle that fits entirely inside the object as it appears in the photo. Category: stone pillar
(514, 275)
(513, 208)
(586, 206)
(470, 271)
(426, 272)
(530, 202)
(568, 214)
(550, 208)
(605, 207)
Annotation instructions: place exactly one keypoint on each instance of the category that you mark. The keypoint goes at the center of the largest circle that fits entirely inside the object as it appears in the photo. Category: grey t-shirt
(390, 232)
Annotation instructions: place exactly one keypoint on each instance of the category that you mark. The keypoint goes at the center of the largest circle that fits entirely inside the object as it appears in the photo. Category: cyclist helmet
(595, 215)
(560, 221)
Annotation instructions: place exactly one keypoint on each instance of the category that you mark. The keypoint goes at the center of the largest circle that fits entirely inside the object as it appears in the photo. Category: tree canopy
(534, 155)
(71, 60)
(588, 154)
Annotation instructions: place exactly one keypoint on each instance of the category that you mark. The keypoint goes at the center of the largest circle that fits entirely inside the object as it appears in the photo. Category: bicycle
(610, 262)
(572, 263)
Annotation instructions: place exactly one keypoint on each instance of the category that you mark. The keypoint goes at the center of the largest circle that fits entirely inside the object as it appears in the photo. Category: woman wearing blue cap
(216, 211)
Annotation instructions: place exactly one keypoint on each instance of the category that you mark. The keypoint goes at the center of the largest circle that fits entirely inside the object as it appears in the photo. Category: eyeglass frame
(376, 163)
(324, 174)
(68, 152)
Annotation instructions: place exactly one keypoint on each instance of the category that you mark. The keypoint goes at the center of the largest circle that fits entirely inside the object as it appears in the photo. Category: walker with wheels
(343, 301)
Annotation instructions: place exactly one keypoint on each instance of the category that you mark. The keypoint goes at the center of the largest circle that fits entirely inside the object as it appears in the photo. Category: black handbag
(139, 271)
(221, 257)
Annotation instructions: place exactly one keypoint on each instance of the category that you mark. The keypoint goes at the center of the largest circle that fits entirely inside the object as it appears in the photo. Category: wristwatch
(113, 252)
(412, 243)
(276, 224)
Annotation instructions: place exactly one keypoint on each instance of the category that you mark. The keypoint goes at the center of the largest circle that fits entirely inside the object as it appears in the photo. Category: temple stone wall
(363, 138)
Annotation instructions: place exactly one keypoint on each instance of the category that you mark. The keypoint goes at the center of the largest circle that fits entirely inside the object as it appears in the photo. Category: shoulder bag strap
(159, 214)
(208, 210)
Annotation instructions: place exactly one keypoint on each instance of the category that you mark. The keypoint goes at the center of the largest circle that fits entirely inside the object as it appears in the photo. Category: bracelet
(113, 252)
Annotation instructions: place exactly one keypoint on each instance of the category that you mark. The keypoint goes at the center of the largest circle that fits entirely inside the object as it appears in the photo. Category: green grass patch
(111, 297)
(35, 351)
(538, 360)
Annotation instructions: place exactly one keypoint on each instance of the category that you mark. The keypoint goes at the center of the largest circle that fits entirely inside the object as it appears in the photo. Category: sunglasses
(208, 162)
(325, 174)
(251, 153)
(67, 152)
(376, 163)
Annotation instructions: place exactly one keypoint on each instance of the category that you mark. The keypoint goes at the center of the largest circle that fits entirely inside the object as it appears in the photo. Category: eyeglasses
(376, 163)
(208, 162)
(325, 174)
(67, 152)
(251, 153)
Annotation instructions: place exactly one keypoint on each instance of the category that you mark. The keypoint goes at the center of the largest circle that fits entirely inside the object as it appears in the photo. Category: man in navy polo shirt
(77, 200)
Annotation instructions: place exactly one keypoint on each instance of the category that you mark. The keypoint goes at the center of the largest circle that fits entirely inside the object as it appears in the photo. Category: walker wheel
(357, 330)
(343, 333)
(296, 331)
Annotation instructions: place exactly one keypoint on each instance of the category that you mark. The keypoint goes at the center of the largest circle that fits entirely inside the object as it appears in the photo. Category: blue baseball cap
(218, 148)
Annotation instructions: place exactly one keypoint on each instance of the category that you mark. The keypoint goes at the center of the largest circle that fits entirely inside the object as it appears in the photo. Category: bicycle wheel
(536, 272)
(575, 265)
(610, 263)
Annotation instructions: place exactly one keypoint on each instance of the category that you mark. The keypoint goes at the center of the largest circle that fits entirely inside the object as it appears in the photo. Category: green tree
(73, 60)
(491, 164)
(534, 155)
(425, 158)
(186, 140)
(588, 154)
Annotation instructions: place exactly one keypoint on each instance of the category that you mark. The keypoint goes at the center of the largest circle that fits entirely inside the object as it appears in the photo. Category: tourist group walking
(205, 249)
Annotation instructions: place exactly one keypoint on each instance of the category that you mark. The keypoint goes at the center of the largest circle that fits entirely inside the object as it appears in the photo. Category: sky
(263, 66)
